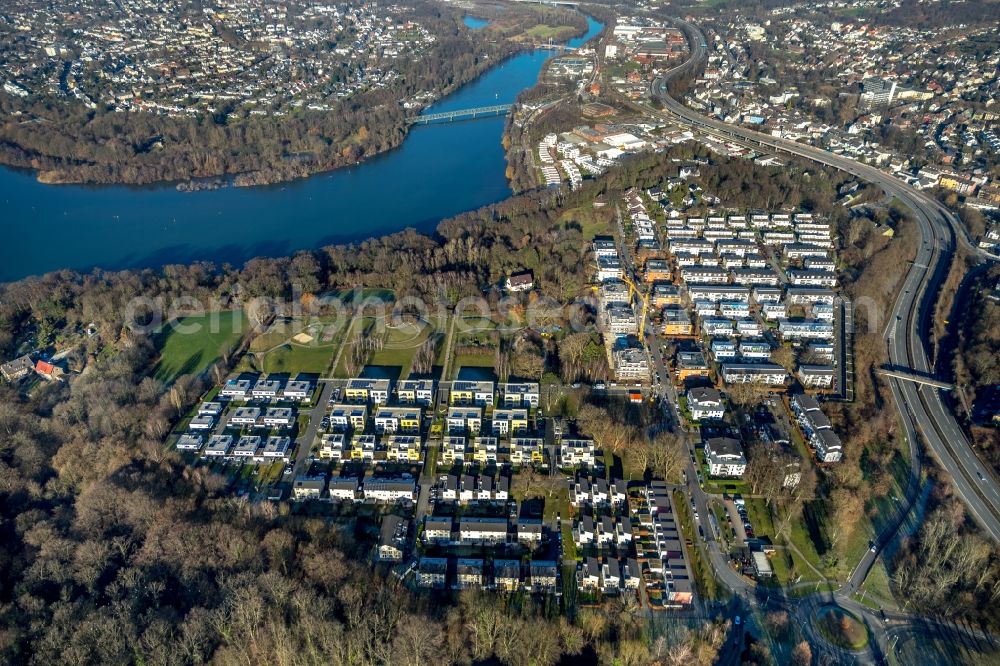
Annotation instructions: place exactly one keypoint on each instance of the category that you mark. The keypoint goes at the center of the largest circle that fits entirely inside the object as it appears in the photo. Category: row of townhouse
(481, 394)
(723, 309)
(255, 417)
(609, 575)
(748, 350)
(704, 275)
(817, 428)
(604, 531)
(262, 387)
(421, 392)
(367, 448)
(467, 488)
(459, 449)
(758, 220)
(390, 420)
(481, 531)
(730, 240)
(742, 267)
(577, 452)
(811, 277)
(248, 447)
(762, 294)
(504, 422)
(500, 574)
(712, 326)
(387, 490)
(755, 275)
(527, 451)
(660, 545)
(367, 390)
(718, 293)
(596, 492)
(809, 295)
(415, 392)
(768, 374)
(806, 329)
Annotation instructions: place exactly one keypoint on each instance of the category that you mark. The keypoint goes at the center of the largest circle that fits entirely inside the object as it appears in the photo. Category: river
(439, 171)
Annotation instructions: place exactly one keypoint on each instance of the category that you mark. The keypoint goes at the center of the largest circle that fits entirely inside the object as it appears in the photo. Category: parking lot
(738, 521)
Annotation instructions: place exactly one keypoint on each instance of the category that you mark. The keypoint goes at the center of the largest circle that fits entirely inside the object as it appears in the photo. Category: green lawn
(430, 462)
(800, 537)
(545, 32)
(270, 474)
(782, 565)
(591, 221)
(558, 504)
(192, 344)
(759, 516)
(274, 336)
(293, 359)
(402, 344)
(876, 585)
(569, 545)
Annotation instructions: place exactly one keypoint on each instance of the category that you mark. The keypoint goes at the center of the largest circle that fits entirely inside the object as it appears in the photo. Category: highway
(921, 408)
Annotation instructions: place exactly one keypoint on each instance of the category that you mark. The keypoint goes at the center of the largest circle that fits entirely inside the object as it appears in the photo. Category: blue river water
(440, 170)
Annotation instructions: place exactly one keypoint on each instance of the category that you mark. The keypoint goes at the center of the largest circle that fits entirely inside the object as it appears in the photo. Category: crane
(644, 298)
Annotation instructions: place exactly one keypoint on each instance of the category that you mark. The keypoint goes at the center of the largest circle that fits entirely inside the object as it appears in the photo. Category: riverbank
(439, 171)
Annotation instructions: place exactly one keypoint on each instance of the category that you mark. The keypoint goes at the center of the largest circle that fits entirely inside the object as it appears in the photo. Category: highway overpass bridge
(919, 378)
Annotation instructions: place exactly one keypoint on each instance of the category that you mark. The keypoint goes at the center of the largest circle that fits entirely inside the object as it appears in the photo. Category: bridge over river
(459, 114)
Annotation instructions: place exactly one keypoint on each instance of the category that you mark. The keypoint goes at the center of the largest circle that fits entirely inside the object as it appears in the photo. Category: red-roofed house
(47, 370)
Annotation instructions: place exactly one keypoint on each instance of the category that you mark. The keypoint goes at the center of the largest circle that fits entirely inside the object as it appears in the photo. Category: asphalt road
(305, 440)
(921, 408)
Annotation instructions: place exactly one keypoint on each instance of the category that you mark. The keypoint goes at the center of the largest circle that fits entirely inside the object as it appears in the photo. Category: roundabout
(841, 628)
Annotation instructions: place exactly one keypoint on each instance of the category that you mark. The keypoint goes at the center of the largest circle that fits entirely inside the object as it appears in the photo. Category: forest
(976, 359)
